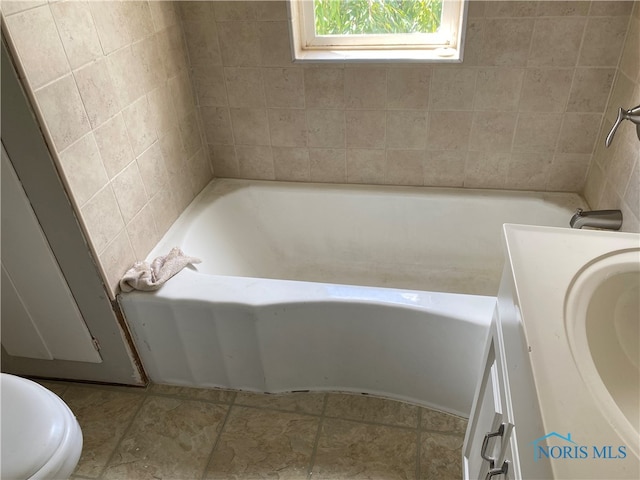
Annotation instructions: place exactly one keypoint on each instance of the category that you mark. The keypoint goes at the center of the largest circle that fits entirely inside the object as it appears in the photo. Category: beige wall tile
(537, 132)
(173, 151)
(439, 455)
(163, 113)
(63, 112)
(287, 127)
(556, 41)
(152, 170)
(129, 191)
(111, 24)
(568, 172)
(365, 129)
(326, 128)
(324, 87)
(603, 41)
(250, 126)
(630, 61)
(558, 8)
(217, 125)
(366, 166)
(231, 11)
(545, 90)
(199, 170)
(124, 74)
(445, 168)
(102, 217)
(291, 164)
(163, 14)
(284, 87)
(275, 48)
(83, 169)
(239, 43)
(255, 162)
(578, 132)
(9, 7)
(77, 31)
(116, 258)
(209, 85)
(327, 165)
(611, 7)
(142, 233)
(190, 134)
(202, 41)
(164, 209)
(406, 129)
(498, 89)
(408, 87)
(35, 37)
(113, 143)
(528, 171)
(244, 87)
(97, 92)
(174, 54)
(449, 130)
(590, 89)
(224, 161)
(272, 10)
(452, 88)
(486, 170)
(506, 41)
(140, 126)
(182, 94)
(594, 185)
(492, 131)
(404, 167)
(365, 87)
(148, 63)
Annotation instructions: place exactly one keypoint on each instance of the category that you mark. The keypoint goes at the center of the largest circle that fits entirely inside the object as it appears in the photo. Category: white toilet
(41, 438)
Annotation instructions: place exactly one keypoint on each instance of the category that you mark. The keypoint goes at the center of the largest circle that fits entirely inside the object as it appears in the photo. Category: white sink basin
(602, 319)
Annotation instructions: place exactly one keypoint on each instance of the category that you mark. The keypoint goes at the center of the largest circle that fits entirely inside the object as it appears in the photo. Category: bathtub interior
(399, 237)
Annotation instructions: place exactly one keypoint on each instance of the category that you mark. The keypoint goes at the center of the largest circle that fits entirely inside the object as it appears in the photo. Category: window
(377, 30)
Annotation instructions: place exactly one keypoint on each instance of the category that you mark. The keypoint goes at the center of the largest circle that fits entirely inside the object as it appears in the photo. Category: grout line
(145, 396)
(312, 459)
(217, 441)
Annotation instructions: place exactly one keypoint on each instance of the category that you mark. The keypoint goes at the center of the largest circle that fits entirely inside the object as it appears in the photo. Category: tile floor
(183, 433)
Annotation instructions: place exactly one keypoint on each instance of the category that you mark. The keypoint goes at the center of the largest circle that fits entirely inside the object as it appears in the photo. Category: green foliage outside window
(356, 17)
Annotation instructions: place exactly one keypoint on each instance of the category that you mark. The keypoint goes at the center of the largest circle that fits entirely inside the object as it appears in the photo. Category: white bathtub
(382, 290)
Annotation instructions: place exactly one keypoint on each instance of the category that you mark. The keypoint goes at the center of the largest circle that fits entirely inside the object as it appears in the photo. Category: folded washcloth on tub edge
(145, 276)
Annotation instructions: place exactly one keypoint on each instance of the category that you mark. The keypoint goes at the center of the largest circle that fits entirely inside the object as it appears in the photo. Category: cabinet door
(489, 427)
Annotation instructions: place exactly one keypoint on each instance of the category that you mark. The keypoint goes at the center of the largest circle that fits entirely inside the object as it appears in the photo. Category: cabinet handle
(485, 445)
(498, 471)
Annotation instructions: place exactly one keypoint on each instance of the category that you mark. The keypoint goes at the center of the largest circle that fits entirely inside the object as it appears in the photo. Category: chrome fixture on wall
(605, 219)
(633, 114)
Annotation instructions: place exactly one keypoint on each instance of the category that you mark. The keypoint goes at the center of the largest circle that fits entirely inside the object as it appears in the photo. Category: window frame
(443, 46)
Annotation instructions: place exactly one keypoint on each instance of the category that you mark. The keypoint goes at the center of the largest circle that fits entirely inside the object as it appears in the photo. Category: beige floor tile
(441, 456)
(169, 438)
(435, 421)
(292, 402)
(361, 451)
(210, 394)
(258, 443)
(103, 416)
(371, 409)
(56, 387)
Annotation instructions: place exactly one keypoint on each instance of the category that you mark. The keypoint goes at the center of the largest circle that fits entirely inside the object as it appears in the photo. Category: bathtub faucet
(605, 219)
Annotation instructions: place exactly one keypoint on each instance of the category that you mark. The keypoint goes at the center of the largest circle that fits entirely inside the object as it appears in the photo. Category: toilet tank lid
(34, 424)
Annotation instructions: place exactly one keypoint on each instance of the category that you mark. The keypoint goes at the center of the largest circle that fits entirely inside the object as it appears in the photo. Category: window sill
(378, 56)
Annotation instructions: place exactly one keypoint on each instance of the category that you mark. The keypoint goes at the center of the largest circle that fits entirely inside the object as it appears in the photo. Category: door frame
(26, 146)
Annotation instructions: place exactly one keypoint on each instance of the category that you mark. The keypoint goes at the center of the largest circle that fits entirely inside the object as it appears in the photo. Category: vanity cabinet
(487, 451)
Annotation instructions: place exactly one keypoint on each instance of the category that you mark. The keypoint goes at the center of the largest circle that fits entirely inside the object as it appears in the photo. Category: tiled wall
(111, 83)
(523, 110)
(614, 175)
(115, 83)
